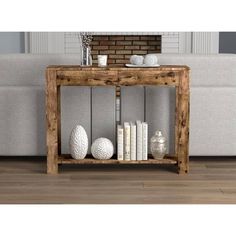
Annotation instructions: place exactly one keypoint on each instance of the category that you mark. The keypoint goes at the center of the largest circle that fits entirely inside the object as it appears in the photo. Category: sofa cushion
(212, 121)
(22, 120)
(29, 69)
(206, 70)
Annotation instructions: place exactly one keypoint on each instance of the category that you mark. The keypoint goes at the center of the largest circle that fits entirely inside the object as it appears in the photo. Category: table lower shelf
(67, 159)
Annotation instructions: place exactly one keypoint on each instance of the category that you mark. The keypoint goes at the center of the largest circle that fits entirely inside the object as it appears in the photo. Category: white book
(145, 140)
(133, 141)
(139, 139)
(127, 141)
(120, 143)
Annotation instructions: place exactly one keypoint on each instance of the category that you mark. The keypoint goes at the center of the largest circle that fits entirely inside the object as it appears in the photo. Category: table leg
(176, 121)
(183, 124)
(52, 122)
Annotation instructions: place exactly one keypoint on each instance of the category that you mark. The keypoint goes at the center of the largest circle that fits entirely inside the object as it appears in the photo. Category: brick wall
(119, 48)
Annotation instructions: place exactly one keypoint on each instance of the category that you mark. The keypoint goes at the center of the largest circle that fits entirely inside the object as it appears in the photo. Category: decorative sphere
(78, 142)
(102, 149)
(136, 60)
(150, 60)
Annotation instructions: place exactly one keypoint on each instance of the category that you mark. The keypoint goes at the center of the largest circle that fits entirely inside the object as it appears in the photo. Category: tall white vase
(78, 142)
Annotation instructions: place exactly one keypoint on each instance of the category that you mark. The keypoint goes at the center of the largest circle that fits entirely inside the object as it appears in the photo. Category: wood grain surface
(53, 121)
(56, 76)
(211, 180)
(66, 159)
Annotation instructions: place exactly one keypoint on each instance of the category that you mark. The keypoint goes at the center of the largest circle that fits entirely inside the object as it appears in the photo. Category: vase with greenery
(85, 39)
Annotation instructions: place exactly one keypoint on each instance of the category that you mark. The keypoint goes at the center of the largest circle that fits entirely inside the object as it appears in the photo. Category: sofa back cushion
(29, 69)
(206, 70)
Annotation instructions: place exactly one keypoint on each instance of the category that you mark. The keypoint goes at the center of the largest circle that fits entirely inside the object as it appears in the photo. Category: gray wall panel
(75, 109)
(160, 113)
(12, 42)
(227, 42)
(103, 113)
(132, 103)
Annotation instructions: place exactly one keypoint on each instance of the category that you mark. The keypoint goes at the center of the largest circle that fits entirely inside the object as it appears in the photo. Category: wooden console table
(58, 76)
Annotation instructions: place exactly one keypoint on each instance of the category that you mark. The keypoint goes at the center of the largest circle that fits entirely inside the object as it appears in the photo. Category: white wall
(172, 42)
(68, 42)
(12, 42)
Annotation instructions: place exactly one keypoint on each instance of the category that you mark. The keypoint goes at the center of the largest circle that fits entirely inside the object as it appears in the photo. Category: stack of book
(132, 141)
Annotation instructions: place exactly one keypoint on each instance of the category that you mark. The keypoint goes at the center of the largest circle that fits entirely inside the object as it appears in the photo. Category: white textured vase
(136, 60)
(102, 149)
(150, 60)
(78, 142)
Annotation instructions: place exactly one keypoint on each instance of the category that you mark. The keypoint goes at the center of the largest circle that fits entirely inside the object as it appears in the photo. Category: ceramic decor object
(78, 142)
(150, 60)
(102, 149)
(136, 60)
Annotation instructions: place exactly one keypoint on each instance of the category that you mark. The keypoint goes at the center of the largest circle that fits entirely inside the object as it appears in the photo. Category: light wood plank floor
(211, 180)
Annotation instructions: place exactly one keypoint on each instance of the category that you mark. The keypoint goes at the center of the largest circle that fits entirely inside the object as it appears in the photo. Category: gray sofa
(22, 105)
(213, 102)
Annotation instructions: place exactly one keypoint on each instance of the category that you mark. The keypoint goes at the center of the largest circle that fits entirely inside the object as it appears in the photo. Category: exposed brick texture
(119, 48)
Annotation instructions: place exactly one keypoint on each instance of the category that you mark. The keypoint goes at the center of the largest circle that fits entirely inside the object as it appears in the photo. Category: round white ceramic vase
(150, 60)
(78, 142)
(102, 149)
(136, 60)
